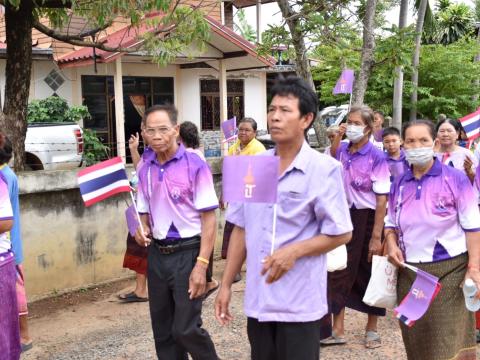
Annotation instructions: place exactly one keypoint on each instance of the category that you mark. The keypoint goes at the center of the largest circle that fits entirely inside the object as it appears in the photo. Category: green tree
(178, 27)
(244, 28)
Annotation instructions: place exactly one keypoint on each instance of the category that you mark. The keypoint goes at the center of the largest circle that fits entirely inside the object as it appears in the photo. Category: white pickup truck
(53, 146)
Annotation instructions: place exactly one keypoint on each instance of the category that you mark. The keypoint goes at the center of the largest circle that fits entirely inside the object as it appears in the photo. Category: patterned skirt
(347, 287)
(135, 257)
(447, 330)
(9, 325)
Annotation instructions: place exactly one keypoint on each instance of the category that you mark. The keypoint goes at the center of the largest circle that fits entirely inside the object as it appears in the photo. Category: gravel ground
(106, 329)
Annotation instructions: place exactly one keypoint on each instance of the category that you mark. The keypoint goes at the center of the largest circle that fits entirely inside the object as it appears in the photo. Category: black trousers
(284, 341)
(176, 320)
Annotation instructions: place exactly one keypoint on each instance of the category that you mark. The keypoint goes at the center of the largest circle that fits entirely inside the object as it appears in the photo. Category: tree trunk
(301, 62)
(19, 23)
(368, 49)
(398, 84)
(476, 83)
(416, 58)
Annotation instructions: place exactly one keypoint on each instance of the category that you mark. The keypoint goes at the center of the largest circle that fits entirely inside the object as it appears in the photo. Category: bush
(93, 149)
(54, 109)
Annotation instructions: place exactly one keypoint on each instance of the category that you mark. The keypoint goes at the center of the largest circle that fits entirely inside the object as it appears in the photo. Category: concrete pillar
(119, 109)
(259, 20)
(222, 80)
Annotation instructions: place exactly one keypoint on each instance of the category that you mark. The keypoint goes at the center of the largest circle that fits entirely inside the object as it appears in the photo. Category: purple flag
(229, 128)
(424, 289)
(345, 83)
(132, 220)
(250, 179)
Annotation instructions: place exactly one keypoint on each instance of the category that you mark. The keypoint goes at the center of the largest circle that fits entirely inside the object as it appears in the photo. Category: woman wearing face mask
(449, 153)
(433, 222)
(367, 183)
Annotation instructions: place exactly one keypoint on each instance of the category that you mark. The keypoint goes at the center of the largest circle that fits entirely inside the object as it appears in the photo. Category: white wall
(256, 98)
(39, 88)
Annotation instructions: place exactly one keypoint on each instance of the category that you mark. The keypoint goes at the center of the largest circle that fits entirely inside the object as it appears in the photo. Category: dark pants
(176, 320)
(283, 340)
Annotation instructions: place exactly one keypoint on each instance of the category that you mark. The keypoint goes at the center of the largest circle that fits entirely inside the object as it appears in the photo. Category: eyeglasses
(446, 131)
(162, 130)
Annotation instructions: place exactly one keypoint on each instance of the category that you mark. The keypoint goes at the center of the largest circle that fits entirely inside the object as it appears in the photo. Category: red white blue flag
(423, 291)
(103, 180)
(250, 179)
(471, 125)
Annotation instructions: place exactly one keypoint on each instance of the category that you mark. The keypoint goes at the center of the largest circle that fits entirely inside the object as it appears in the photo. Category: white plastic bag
(337, 259)
(382, 287)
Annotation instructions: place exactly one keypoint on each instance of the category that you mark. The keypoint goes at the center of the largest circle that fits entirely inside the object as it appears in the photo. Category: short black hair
(170, 109)
(392, 130)
(455, 123)
(297, 87)
(427, 123)
(249, 120)
(189, 135)
(6, 150)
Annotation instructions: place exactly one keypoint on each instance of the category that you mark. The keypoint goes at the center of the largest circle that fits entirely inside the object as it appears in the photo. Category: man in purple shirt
(285, 295)
(177, 200)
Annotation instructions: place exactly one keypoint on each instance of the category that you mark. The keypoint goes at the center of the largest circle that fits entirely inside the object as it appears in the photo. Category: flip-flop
(372, 340)
(212, 290)
(132, 297)
(26, 347)
(333, 340)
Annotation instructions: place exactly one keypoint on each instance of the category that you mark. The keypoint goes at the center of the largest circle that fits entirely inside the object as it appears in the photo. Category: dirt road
(93, 324)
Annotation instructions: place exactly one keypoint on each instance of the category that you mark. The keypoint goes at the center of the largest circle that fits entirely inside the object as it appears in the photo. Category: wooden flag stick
(138, 214)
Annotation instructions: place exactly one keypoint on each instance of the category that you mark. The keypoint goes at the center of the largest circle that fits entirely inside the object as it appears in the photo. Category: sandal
(212, 290)
(26, 346)
(333, 340)
(372, 340)
(131, 297)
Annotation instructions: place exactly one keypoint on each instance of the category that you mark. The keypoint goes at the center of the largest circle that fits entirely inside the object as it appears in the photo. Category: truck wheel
(32, 162)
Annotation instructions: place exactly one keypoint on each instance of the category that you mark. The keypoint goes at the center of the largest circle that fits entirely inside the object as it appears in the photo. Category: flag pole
(350, 103)
(136, 212)
(274, 228)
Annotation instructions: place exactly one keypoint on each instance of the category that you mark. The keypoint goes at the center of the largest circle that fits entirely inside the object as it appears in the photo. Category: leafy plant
(93, 148)
(55, 109)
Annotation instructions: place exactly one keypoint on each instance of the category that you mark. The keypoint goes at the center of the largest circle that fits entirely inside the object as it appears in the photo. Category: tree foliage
(55, 109)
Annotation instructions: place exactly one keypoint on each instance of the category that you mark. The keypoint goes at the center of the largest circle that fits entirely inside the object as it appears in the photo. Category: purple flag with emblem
(132, 220)
(423, 291)
(229, 128)
(250, 179)
(345, 83)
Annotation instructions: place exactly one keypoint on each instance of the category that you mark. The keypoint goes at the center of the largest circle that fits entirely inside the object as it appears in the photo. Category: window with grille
(210, 102)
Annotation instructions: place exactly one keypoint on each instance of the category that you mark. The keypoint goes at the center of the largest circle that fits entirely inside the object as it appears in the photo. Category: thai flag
(471, 125)
(103, 180)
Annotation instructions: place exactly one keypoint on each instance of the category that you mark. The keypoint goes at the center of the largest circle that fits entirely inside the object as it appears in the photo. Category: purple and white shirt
(6, 213)
(476, 184)
(433, 213)
(175, 194)
(304, 210)
(397, 167)
(365, 175)
(456, 158)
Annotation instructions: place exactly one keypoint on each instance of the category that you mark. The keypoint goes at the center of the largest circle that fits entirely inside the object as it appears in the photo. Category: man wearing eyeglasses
(177, 200)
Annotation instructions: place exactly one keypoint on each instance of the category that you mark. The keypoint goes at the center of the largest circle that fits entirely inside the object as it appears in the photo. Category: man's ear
(308, 120)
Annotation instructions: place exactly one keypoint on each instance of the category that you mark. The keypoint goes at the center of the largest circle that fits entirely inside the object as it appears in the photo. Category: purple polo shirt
(6, 213)
(397, 167)
(365, 175)
(311, 201)
(175, 193)
(433, 213)
(476, 184)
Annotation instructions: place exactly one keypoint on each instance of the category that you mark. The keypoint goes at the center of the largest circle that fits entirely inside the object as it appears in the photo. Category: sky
(271, 14)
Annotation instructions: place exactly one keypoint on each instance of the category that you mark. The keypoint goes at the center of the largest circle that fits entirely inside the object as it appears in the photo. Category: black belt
(173, 246)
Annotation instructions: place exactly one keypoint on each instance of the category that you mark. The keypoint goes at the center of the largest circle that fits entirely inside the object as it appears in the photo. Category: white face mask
(355, 133)
(419, 156)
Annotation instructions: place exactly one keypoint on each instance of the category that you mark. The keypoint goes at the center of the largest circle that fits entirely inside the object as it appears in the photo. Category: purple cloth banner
(345, 83)
(132, 220)
(229, 128)
(250, 179)
(423, 291)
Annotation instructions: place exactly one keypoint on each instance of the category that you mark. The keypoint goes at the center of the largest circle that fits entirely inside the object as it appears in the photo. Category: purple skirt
(9, 326)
